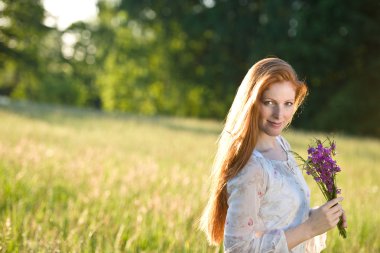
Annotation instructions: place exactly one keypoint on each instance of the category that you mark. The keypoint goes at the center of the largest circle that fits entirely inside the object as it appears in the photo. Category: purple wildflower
(311, 150)
(321, 165)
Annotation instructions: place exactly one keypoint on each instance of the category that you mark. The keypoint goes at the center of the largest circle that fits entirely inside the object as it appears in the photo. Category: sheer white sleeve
(244, 229)
(316, 244)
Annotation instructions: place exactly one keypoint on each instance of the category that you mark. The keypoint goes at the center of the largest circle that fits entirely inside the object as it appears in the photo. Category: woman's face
(276, 108)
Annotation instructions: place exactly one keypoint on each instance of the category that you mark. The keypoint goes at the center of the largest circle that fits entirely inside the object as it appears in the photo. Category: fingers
(328, 216)
(336, 209)
(339, 215)
(335, 212)
(336, 221)
(333, 202)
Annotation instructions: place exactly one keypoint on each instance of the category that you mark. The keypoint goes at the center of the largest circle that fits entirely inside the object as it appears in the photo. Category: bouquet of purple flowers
(323, 168)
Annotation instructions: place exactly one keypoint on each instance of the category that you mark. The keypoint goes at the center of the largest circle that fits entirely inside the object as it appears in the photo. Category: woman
(259, 200)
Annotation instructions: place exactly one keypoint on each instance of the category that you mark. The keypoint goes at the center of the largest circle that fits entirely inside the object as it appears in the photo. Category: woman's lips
(275, 124)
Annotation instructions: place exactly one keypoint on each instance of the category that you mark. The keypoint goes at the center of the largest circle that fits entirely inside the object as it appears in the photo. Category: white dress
(266, 198)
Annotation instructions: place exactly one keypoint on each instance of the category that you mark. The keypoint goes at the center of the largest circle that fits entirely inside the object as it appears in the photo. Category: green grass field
(75, 180)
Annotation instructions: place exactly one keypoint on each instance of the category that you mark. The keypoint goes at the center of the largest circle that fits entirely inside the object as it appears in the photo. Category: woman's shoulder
(254, 168)
(253, 174)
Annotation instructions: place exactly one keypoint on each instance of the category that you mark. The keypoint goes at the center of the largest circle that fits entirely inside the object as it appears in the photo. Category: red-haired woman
(259, 200)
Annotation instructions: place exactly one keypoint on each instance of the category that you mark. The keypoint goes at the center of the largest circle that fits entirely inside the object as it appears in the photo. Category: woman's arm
(244, 229)
(321, 220)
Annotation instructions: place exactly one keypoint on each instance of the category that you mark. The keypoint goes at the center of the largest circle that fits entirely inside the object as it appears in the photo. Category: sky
(69, 11)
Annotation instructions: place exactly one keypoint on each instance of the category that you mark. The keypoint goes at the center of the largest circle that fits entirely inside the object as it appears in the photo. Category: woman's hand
(320, 220)
(326, 217)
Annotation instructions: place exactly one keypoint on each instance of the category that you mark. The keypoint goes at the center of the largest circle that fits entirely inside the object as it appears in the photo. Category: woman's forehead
(280, 90)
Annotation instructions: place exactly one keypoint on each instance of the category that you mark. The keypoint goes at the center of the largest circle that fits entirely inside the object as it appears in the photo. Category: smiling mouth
(275, 124)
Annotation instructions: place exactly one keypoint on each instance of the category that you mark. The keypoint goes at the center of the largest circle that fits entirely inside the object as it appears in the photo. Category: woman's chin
(272, 131)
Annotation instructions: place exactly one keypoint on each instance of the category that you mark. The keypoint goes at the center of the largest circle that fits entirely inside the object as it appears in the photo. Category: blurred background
(110, 112)
(187, 58)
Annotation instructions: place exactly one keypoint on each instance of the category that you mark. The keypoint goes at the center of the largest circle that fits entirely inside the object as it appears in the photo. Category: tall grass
(76, 180)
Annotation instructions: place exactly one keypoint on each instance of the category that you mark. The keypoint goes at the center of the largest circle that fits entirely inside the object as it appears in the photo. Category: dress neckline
(278, 138)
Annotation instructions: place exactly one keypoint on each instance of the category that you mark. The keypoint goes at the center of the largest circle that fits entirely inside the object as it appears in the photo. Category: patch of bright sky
(64, 13)
(209, 3)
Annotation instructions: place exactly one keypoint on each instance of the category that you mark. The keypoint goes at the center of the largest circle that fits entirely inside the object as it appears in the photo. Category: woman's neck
(270, 148)
(266, 143)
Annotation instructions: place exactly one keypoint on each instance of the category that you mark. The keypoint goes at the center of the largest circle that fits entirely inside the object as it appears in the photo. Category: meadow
(80, 180)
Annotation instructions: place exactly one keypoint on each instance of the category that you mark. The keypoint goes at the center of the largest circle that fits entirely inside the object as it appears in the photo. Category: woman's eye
(289, 103)
(268, 103)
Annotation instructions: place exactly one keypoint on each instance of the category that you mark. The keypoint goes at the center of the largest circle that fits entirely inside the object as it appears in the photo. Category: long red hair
(239, 137)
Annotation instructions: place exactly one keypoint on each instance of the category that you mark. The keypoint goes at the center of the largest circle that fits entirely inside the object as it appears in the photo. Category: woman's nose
(277, 112)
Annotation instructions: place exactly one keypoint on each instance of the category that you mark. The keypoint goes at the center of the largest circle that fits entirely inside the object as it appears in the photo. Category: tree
(20, 33)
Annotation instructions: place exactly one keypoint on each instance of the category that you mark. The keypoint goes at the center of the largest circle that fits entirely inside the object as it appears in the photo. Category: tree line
(187, 58)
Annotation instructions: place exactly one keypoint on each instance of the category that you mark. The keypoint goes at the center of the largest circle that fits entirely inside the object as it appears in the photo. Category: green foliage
(31, 60)
(76, 180)
(21, 29)
(188, 58)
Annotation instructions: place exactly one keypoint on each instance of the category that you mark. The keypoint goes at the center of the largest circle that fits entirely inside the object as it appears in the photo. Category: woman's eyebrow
(290, 99)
